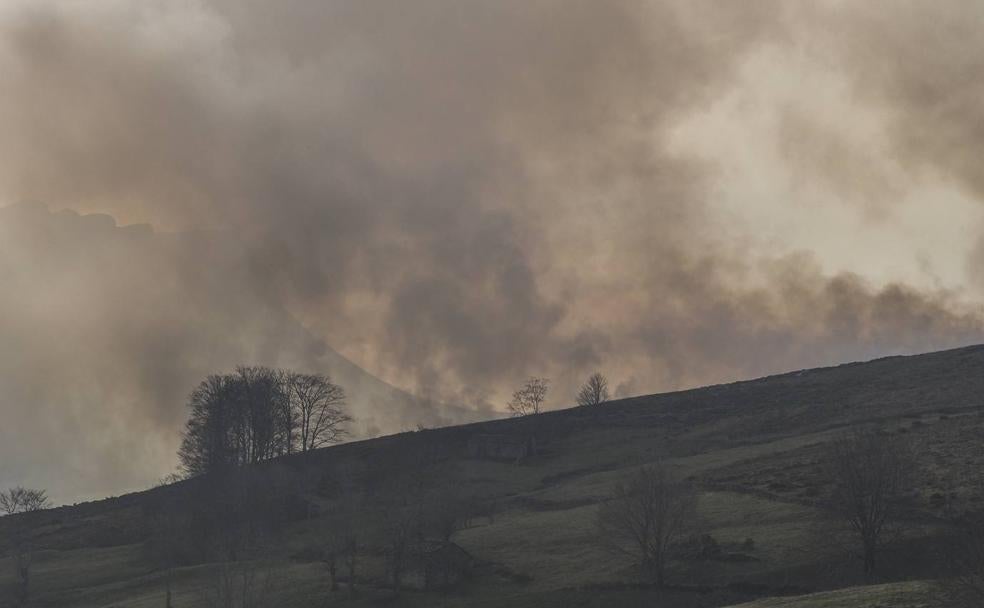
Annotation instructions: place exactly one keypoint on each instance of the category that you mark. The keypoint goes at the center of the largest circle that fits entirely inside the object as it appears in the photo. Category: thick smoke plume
(453, 195)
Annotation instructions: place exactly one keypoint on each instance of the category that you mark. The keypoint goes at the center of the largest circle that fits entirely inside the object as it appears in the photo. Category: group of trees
(258, 413)
(529, 399)
(16, 501)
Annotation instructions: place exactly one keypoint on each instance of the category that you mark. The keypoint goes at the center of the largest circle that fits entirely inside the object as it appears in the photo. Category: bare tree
(870, 474)
(341, 542)
(23, 500)
(402, 532)
(594, 391)
(16, 501)
(317, 406)
(646, 517)
(239, 585)
(529, 399)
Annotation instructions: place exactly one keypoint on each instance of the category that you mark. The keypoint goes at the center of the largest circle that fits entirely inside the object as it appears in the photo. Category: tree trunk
(332, 573)
(167, 589)
(351, 566)
(869, 561)
(24, 573)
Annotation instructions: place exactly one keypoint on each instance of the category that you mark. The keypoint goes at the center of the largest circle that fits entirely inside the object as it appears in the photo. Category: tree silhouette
(870, 473)
(258, 413)
(17, 501)
(646, 517)
(594, 391)
(529, 399)
(317, 405)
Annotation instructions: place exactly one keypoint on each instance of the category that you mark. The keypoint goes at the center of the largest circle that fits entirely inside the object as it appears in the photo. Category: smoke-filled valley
(449, 212)
(457, 196)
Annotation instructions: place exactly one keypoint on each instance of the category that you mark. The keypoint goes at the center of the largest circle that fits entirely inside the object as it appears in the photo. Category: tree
(15, 501)
(261, 430)
(23, 500)
(317, 406)
(402, 530)
(870, 474)
(529, 399)
(594, 391)
(646, 517)
(239, 585)
(208, 445)
(342, 542)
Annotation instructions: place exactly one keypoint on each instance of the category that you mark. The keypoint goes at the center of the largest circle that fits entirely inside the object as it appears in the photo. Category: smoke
(455, 195)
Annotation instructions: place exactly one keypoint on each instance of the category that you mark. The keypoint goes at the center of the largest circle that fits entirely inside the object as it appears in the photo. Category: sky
(455, 195)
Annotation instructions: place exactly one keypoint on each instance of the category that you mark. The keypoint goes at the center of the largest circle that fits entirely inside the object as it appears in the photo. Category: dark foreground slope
(752, 448)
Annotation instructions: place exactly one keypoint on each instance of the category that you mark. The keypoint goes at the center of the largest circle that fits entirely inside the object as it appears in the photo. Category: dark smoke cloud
(452, 194)
(105, 329)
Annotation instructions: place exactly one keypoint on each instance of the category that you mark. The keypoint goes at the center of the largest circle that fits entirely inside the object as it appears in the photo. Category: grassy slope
(752, 447)
(918, 594)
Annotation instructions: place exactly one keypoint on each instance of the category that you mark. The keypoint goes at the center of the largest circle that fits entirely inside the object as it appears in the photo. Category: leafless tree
(318, 409)
(341, 543)
(646, 517)
(239, 585)
(594, 391)
(14, 501)
(529, 399)
(402, 532)
(870, 473)
(23, 500)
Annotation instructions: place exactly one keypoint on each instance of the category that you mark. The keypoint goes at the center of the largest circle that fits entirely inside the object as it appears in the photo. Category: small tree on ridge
(529, 399)
(594, 391)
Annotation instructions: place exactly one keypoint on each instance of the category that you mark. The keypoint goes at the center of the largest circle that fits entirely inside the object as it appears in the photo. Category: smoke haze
(456, 195)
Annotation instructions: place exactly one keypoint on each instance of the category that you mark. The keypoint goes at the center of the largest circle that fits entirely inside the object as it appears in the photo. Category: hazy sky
(457, 194)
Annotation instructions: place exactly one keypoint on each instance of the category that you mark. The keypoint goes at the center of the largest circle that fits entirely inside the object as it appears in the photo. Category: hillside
(751, 448)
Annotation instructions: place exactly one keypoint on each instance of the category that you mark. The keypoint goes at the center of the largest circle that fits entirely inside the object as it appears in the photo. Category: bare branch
(529, 399)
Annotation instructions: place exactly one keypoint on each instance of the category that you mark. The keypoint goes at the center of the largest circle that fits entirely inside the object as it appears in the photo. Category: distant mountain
(111, 327)
(381, 408)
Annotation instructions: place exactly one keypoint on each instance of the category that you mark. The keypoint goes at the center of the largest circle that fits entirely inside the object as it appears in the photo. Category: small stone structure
(436, 565)
(510, 448)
